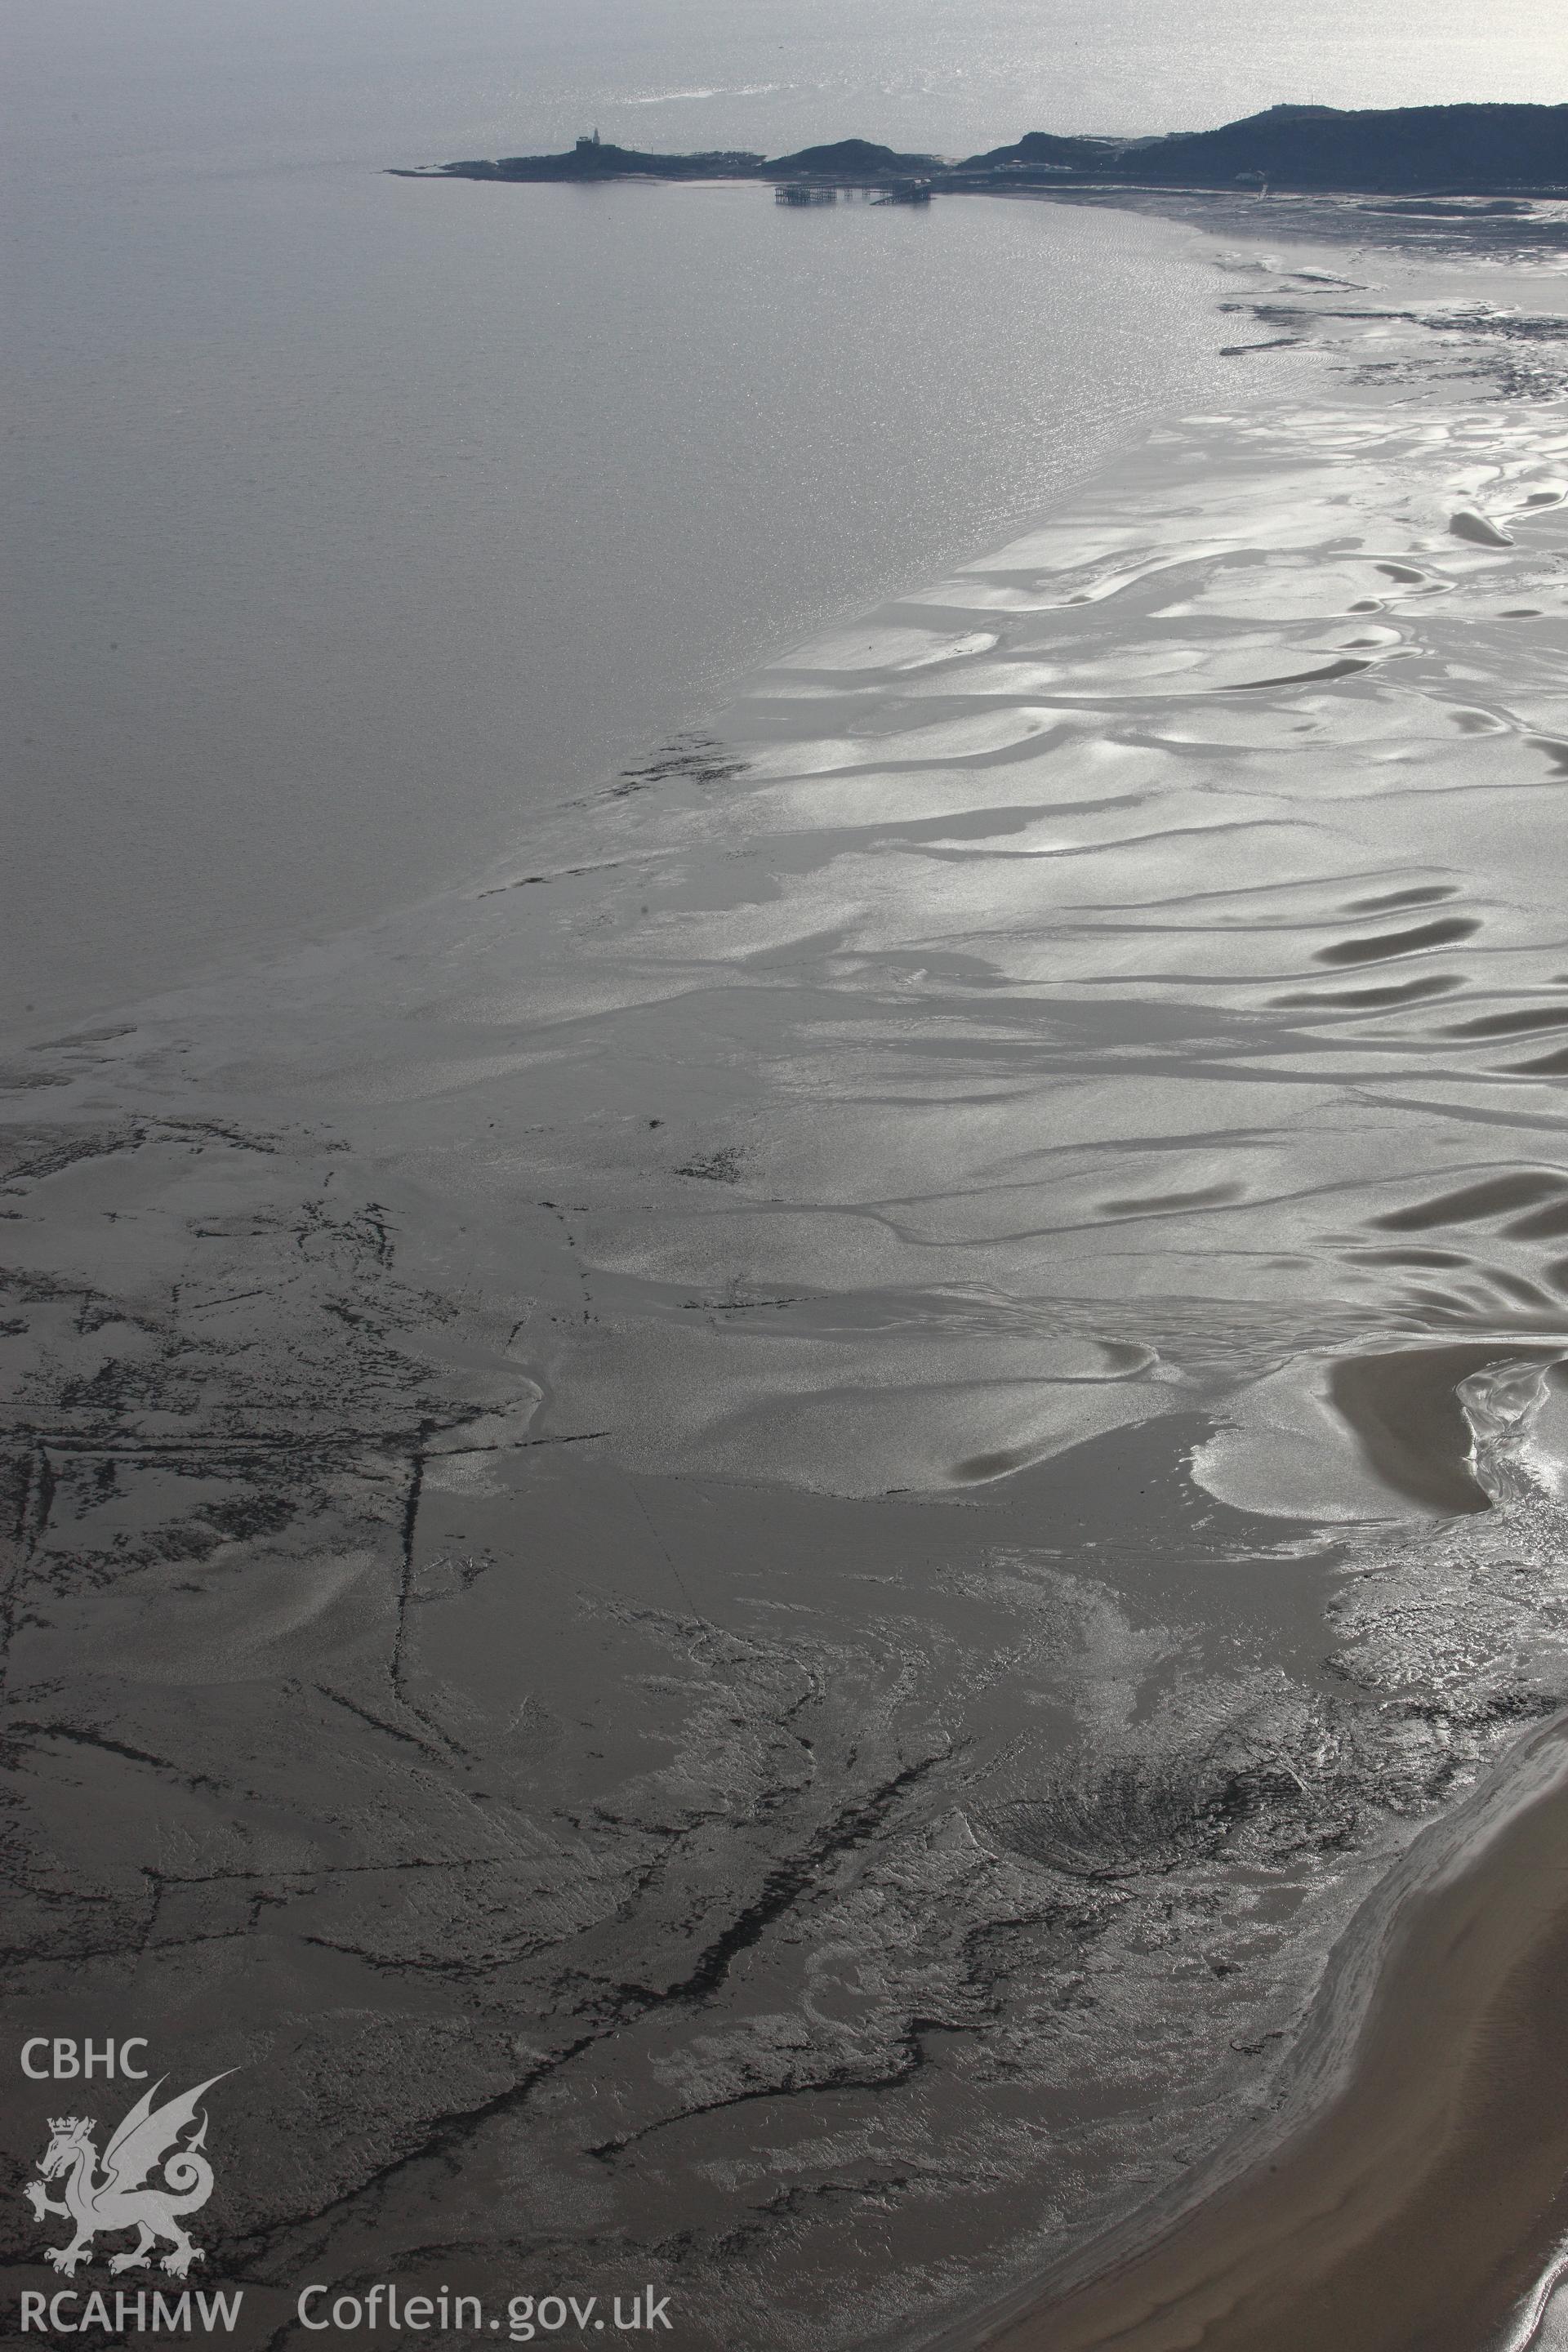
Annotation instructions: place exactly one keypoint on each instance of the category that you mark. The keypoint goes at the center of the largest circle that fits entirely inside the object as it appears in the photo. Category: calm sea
(348, 519)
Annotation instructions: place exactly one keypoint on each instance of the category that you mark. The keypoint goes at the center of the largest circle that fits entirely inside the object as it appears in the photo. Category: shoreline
(1468, 223)
(1488, 203)
(1529, 232)
(1435, 2059)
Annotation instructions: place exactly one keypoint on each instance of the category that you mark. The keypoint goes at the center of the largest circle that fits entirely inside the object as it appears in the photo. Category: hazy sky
(273, 79)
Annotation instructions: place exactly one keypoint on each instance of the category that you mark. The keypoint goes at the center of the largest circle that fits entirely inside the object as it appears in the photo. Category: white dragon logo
(121, 2198)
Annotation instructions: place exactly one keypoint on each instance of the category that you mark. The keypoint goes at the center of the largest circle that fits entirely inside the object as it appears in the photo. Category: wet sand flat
(1408, 1412)
(738, 1551)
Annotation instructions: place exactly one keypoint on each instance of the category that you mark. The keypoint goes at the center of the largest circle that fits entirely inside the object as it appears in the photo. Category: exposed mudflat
(736, 1554)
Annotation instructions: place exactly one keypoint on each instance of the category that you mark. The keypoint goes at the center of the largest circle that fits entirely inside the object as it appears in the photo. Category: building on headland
(1513, 152)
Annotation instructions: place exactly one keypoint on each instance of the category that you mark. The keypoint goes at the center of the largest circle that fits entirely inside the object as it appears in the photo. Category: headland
(1505, 151)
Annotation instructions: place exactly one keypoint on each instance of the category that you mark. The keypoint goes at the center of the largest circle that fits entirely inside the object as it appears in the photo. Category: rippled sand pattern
(558, 1611)
(1135, 962)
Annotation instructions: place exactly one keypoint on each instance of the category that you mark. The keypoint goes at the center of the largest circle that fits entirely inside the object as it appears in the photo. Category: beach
(806, 1548)
(1420, 2197)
